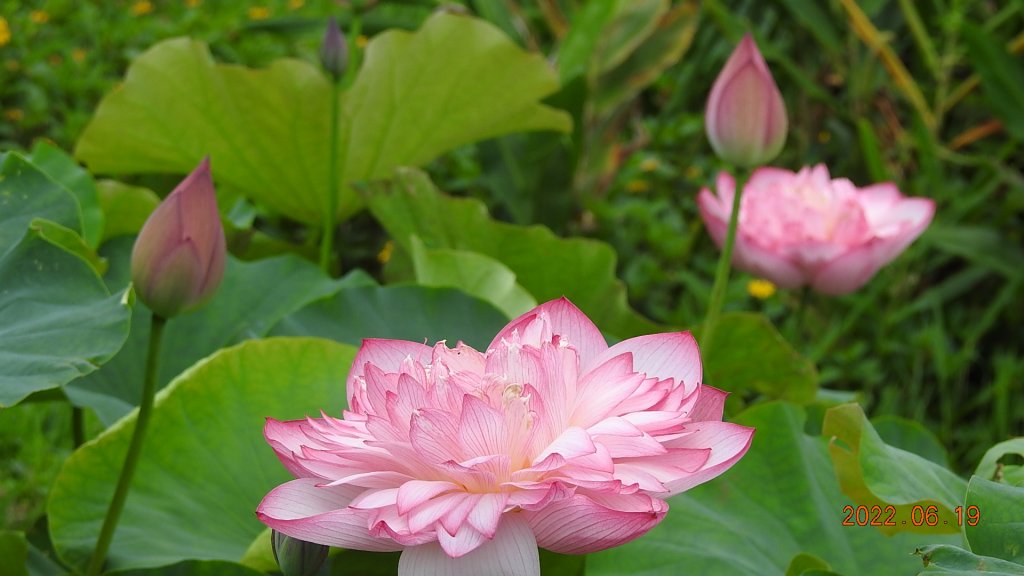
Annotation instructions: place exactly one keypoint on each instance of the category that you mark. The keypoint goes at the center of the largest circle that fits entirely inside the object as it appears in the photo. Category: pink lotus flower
(745, 117)
(178, 258)
(469, 461)
(806, 228)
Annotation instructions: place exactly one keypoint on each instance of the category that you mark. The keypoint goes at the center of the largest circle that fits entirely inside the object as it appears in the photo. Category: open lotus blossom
(469, 461)
(806, 228)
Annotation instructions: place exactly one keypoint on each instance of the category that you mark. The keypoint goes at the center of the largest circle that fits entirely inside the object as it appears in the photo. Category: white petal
(512, 552)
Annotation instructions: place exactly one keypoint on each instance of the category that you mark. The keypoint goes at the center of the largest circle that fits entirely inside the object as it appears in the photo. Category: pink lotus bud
(746, 118)
(806, 228)
(178, 259)
(334, 51)
(468, 461)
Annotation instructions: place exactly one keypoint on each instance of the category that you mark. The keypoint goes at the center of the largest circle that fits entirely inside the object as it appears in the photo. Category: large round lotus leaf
(417, 95)
(780, 500)
(58, 322)
(205, 465)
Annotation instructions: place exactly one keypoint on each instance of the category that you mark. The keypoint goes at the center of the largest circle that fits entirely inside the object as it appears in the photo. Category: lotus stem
(721, 284)
(77, 426)
(131, 459)
(331, 209)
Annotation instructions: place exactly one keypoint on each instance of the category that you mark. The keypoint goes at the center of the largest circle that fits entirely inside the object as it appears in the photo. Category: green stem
(721, 284)
(334, 168)
(77, 426)
(331, 209)
(131, 459)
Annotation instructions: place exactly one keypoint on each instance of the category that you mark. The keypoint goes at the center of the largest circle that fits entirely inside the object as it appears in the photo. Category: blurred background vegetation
(928, 94)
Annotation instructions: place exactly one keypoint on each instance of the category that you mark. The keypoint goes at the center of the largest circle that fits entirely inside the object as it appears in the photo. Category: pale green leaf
(205, 466)
(474, 274)
(876, 474)
(456, 80)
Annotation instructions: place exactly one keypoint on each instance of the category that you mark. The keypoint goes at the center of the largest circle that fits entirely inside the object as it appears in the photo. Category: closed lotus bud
(746, 117)
(334, 51)
(178, 259)
(296, 557)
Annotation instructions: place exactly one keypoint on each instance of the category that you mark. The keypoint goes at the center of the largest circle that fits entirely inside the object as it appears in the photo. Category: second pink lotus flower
(806, 228)
(469, 461)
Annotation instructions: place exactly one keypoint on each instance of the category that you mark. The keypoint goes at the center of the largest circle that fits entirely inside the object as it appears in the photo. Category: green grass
(35, 439)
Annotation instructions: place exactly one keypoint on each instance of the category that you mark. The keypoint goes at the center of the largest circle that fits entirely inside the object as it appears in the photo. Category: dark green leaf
(25, 194)
(58, 322)
(63, 169)
(413, 313)
(192, 568)
(14, 551)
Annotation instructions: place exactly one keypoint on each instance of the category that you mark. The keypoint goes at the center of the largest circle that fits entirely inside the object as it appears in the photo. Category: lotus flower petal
(512, 552)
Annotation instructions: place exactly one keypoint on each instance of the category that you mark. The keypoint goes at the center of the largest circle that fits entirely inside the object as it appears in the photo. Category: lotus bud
(296, 557)
(334, 51)
(746, 117)
(178, 259)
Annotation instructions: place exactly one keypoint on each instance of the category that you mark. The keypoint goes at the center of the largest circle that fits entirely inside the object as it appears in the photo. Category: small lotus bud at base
(296, 557)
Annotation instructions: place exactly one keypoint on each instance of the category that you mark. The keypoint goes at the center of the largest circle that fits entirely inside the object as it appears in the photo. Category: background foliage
(926, 94)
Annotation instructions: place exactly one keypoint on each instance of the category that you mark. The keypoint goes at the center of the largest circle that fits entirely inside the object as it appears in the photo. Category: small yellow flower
(192, 3)
(14, 114)
(385, 253)
(649, 165)
(5, 32)
(78, 55)
(296, 4)
(362, 41)
(761, 289)
(39, 16)
(142, 7)
(693, 172)
(638, 186)
(259, 13)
